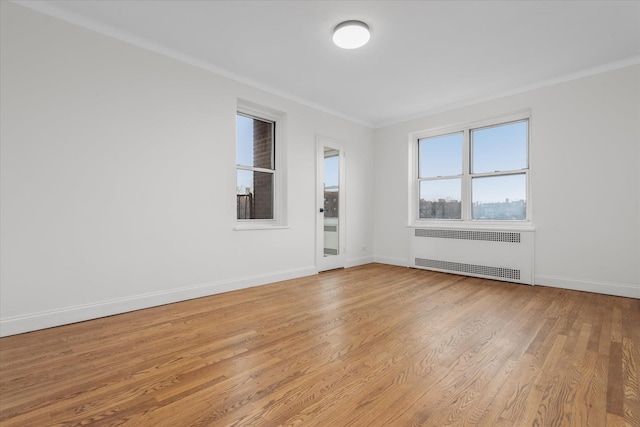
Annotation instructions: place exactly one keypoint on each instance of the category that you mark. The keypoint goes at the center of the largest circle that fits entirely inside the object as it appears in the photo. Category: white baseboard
(618, 289)
(66, 315)
(63, 316)
(358, 261)
(400, 262)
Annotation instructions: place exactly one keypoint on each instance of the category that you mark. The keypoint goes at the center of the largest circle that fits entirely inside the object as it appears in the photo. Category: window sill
(475, 225)
(247, 227)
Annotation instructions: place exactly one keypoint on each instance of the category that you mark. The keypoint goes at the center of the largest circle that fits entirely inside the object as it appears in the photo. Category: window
(473, 173)
(259, 172)
(256, 168)
(440, 173)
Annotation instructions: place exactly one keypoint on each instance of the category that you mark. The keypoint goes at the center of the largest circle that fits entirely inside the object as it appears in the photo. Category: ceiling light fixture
(351, 34)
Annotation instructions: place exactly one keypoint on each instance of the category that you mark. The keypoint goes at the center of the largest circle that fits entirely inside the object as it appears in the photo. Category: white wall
(118, 179)
(585, 180)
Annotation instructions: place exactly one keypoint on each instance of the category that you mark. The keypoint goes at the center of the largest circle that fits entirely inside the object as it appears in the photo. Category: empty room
(319, 213)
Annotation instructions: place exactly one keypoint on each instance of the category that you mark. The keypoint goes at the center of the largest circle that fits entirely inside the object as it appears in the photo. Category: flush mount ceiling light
(351, 34)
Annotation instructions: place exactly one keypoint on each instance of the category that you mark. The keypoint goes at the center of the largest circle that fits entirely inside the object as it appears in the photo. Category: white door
(330, 224)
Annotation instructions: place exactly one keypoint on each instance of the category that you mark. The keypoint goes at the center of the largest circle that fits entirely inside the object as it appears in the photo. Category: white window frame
(467, 220)
(278, 118)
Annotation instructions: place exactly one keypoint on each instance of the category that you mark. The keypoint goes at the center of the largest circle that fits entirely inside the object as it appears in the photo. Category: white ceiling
(423, 57)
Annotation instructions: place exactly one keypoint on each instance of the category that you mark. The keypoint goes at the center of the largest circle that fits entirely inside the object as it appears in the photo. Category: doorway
(330, 224)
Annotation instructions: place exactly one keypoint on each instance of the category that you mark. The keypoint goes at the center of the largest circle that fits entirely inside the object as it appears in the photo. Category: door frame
(323, 262)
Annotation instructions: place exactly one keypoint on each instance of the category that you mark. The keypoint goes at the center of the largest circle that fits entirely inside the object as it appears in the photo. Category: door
(330, 224)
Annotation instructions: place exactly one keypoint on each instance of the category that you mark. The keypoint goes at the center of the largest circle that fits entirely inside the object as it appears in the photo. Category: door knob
(321, 210)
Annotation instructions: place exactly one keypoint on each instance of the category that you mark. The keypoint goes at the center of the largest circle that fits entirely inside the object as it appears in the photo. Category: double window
(473, 173)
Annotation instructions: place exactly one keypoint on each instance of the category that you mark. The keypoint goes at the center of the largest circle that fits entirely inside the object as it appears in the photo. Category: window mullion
(466, 178)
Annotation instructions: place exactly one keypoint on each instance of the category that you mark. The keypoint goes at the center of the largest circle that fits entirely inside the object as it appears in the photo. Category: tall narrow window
(256, 168)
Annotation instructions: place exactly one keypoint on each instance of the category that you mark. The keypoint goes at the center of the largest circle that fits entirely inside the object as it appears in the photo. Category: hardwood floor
(373, 345)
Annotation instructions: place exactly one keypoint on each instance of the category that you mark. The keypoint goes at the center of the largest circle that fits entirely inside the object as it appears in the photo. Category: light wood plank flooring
(373, 345)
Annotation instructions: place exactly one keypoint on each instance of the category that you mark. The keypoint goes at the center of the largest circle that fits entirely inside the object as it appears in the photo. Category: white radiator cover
(498, 255)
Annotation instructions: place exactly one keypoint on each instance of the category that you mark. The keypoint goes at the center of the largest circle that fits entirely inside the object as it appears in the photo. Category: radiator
(498, 255)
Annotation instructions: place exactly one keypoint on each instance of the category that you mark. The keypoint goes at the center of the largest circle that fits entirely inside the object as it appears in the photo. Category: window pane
(500, 148)
(331, 183)
(331, 172)
(499, 197)
(441, 199)
(254, 142)
(440, 155)
(254, 195)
